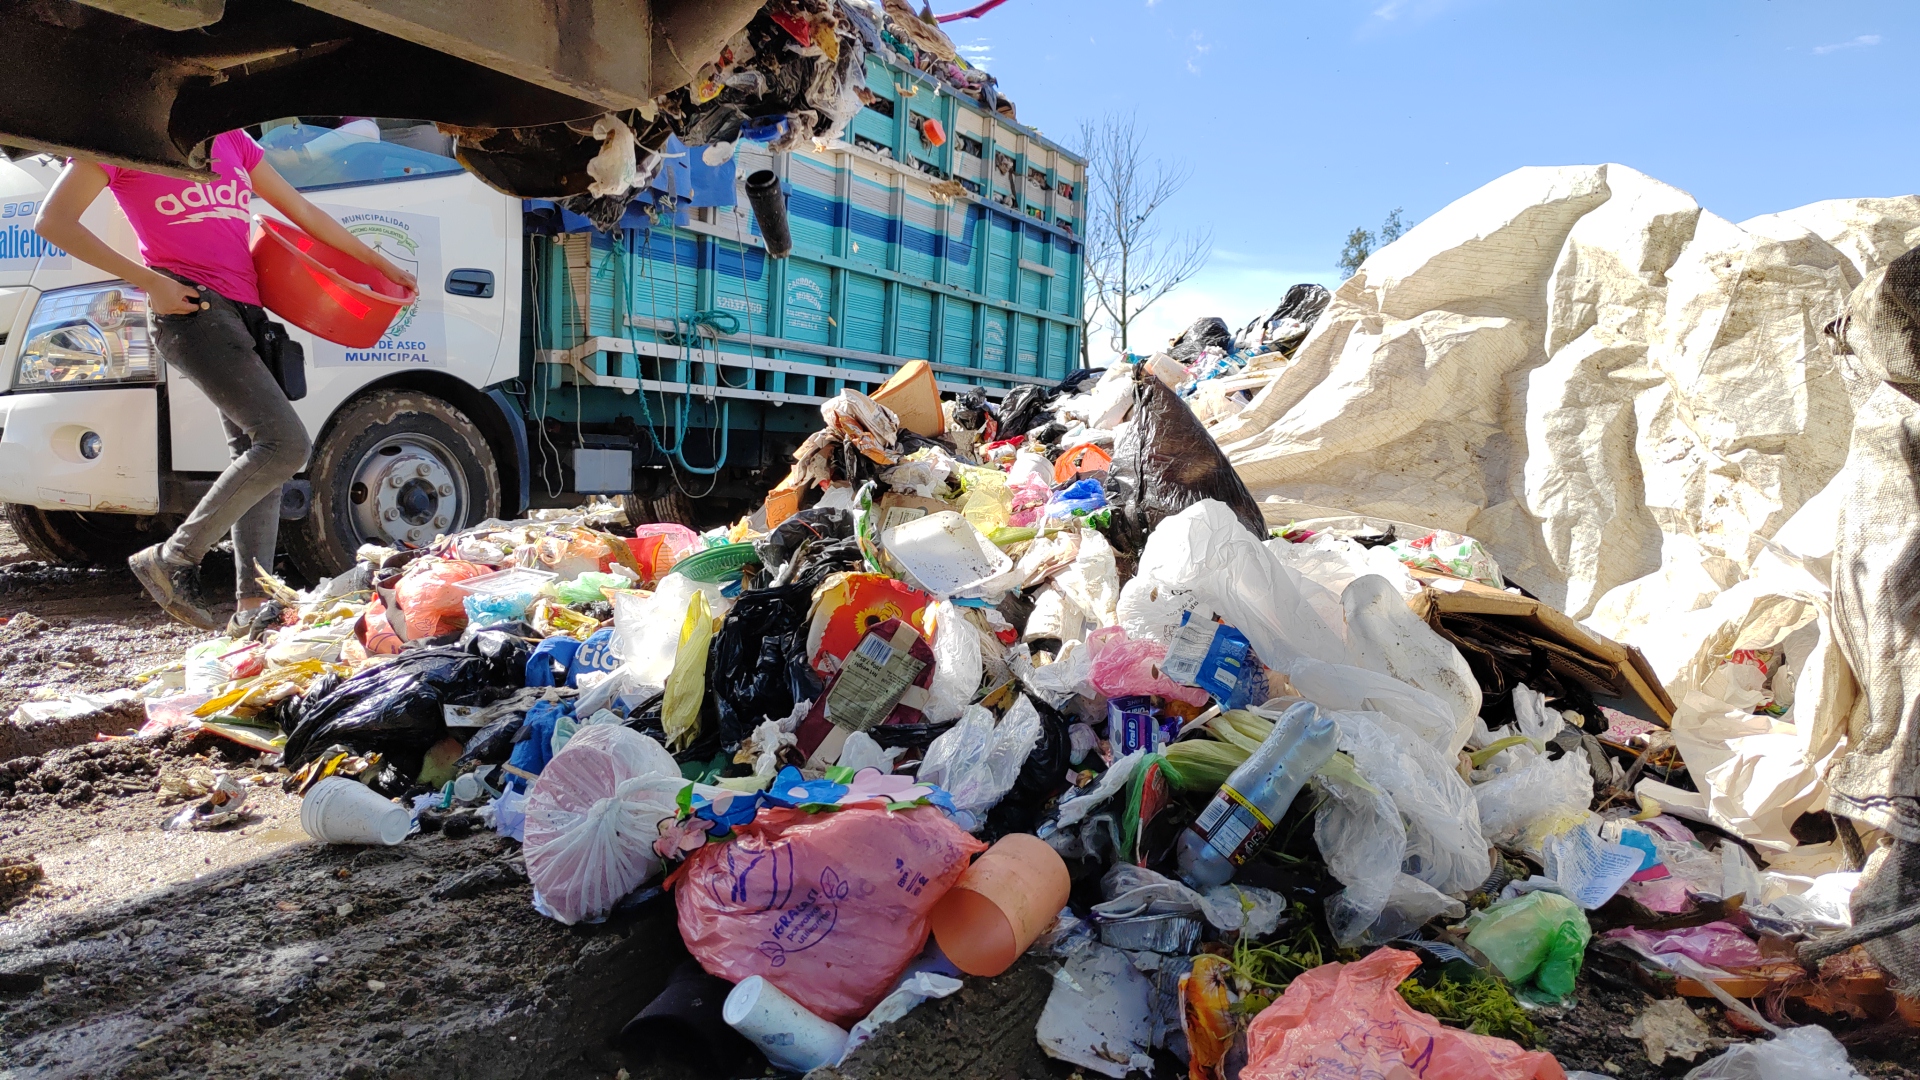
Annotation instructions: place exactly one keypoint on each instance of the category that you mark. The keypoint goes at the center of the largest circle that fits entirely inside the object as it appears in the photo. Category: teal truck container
(934, 231)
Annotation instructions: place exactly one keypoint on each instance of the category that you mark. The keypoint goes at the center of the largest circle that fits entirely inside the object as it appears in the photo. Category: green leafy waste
(1482, 1006)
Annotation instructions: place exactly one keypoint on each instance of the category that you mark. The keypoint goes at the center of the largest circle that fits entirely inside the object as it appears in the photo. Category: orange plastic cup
(1001, 905)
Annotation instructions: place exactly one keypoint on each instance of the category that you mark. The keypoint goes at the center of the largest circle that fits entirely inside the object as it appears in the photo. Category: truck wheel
(78, 538)
(673, 508)
(395, 468)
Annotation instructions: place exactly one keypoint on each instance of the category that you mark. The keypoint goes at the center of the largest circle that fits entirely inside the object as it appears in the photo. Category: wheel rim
(405, 490)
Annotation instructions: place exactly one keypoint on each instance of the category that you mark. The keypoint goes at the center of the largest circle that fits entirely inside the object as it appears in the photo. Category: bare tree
(1131, 261)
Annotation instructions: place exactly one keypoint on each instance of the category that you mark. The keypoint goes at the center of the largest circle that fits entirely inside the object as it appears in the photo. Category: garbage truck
(669, 361)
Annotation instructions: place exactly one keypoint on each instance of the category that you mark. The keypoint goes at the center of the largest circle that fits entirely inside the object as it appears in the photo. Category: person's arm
(317, 223)
(59, 224)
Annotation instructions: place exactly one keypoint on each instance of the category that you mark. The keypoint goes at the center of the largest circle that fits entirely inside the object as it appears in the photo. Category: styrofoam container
(781, 1027)
(944, 553)
(342, 811)
(513, 581)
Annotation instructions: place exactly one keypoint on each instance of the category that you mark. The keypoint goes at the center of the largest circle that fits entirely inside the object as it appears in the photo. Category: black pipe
(770, 211)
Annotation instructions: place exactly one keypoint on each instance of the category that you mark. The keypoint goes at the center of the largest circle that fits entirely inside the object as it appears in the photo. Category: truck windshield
(319, 155)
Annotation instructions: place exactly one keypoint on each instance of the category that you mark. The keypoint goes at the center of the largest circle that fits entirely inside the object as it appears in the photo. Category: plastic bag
(1389, 638)
(1201, 561)
(1082, 497)
(589, 588)
(647, 628)
(987, 501)
(1343, 687)
(1164, 463)
(397, 708)
(977, 760)
(957, 667)
(1802, 1053)
(830, 908)
(759, 662)
(1536, 942)
(1132, 891)
(569, 553)
(1122, 667)
(1349, 1020)
(485, 610)
(1525, 796)
(592, 818)
(429, 599)
(686, 685)
(1363, 840)
(1717, 944)
(1451, 554)
(1444, 846)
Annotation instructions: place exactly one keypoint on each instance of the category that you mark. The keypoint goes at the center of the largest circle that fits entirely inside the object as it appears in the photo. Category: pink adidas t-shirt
(196, 229)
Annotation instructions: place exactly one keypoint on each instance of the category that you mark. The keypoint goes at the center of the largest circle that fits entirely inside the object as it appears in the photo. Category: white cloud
(1861, 42)
(978, 52)
(1197, 48)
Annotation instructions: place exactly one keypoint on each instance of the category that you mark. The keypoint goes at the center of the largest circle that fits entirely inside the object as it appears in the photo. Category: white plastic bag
(592, 818)
(957, 666)
(1802, 1053)
(646, 629)
(1344, 688)
(977, 760)
(1389, 638)
(1069, 676)
(1203, 560)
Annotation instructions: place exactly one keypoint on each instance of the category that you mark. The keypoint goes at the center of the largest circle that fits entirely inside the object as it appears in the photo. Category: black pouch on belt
(286, 359)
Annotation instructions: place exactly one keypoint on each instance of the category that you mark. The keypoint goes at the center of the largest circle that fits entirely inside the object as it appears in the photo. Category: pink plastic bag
(831, 908)
(1348, 1020)
(1123, 666)
(592, 818)
(1717, 944)
(429, 598)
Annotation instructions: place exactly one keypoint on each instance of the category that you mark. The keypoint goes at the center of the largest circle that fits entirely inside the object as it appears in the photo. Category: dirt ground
(253, 951)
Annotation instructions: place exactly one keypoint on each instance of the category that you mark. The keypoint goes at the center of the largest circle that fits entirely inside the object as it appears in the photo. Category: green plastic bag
(1537, 941)
(587, 588)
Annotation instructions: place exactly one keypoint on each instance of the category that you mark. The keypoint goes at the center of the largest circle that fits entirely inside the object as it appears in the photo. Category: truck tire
(673, 508)
(394, 468)
(80, 538)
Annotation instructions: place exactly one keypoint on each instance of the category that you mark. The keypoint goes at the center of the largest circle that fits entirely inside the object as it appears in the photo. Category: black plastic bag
(1078, 380)
(1041, 778)
(395, 709)
(757, 666)
(1166, 462)
(970, 409)
(1204, 333)
(1020, 410)
(1288, 324)
(821, 525)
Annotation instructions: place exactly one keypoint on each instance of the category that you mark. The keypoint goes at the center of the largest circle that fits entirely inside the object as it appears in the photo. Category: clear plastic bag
(1342, 687)
(1363, 840)
(1523, 795)
(1802, 1053)
(1444, 846)
(592, 818)
(957, 666)
(977, 761)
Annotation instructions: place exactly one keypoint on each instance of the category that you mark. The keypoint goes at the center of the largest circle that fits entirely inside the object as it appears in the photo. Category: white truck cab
(101, 448)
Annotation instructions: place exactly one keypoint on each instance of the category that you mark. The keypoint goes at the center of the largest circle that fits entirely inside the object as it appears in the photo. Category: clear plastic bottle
(1234, 826)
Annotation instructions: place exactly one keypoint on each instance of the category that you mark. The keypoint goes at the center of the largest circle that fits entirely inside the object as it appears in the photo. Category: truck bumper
(42, 462)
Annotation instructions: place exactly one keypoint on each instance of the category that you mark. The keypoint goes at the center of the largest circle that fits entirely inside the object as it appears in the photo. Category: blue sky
(1302, 120)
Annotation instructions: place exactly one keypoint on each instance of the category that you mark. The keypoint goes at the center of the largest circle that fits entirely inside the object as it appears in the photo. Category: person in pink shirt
(205, 321)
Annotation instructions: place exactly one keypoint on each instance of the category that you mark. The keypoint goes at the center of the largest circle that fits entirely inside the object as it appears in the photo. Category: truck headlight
(92, 334)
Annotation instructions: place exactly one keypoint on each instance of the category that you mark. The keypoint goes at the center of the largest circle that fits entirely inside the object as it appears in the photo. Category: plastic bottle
(1234, 826)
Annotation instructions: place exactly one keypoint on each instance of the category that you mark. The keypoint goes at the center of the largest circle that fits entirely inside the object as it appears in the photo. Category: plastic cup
(1001, 905)
(342, 811)
(786, 1032)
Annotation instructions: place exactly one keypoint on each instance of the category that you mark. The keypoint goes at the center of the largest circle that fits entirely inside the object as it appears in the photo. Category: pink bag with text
(830, 908)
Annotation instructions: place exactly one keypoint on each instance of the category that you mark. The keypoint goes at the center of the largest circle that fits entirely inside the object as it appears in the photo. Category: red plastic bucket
(320, 289)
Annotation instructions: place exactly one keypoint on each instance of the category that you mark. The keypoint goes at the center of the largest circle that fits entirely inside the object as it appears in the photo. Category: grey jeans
(214, 349)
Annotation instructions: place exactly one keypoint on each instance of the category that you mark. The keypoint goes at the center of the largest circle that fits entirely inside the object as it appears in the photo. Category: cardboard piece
(1484, 622)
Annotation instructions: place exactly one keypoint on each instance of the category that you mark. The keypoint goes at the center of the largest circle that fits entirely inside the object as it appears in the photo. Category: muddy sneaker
(252, 623)
(175, 588)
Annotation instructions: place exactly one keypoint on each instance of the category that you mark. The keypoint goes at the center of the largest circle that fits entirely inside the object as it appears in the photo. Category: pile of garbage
(1035, 678)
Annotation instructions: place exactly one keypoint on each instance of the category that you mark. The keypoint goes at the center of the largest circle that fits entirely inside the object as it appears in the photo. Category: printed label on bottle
(1233, 826)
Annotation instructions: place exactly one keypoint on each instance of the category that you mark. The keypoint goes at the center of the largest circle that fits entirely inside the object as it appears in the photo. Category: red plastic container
(320, 289)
